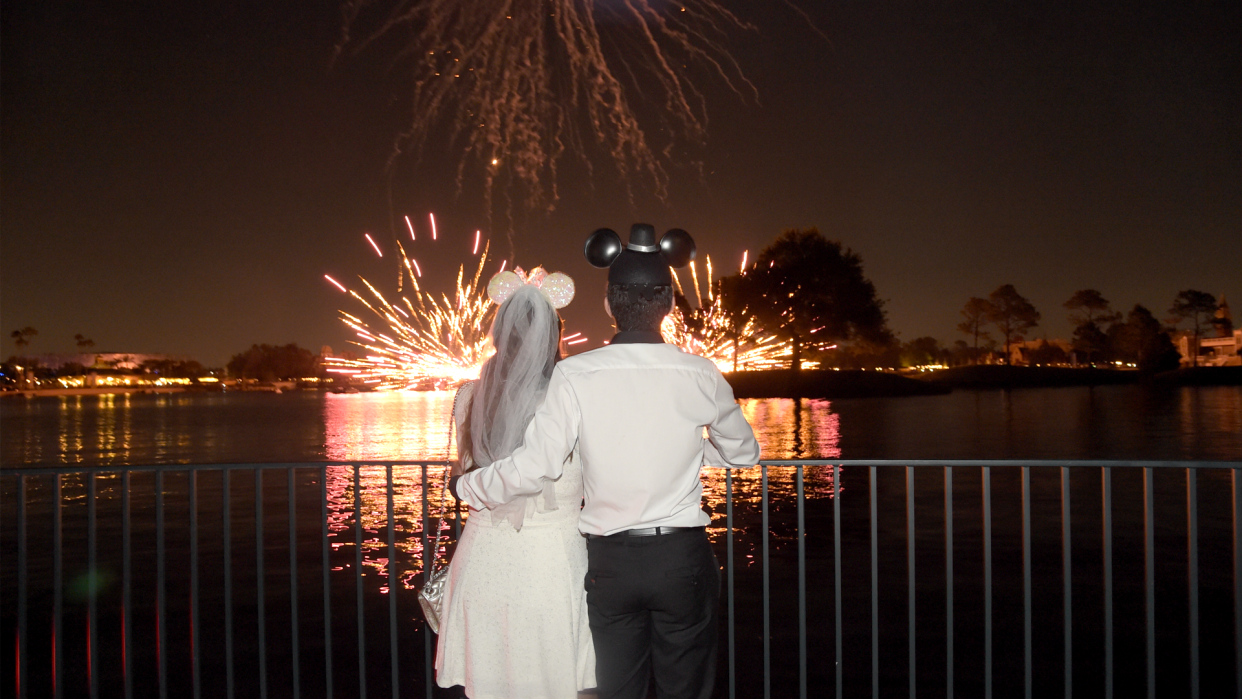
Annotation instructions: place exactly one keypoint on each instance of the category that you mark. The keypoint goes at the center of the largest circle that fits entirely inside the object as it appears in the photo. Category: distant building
(1220, 346)
(1042, 352)
(106, 360)
(1211, 351)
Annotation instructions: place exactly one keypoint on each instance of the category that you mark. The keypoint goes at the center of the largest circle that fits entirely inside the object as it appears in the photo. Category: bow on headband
(557, 287)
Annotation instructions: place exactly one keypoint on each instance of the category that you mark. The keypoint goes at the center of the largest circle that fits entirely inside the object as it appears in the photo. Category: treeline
(274, 363)
(812, 292)
(1101, 335)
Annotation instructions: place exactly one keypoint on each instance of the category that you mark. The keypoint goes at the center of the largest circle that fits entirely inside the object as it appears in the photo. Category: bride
(514, 618)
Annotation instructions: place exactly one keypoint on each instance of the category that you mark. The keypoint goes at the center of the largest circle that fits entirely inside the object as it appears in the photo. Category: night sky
(177, 177)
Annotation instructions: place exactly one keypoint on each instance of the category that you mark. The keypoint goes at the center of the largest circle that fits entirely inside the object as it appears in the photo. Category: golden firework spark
(521, 85)
(427, 342)
(708, 331)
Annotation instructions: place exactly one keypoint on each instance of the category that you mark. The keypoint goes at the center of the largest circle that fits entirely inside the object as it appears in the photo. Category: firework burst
(709, 331)
(424, 342)
(523, 84)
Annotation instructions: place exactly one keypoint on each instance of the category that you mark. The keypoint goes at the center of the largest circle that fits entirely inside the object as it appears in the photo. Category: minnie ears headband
(557, 287)
(643, 260)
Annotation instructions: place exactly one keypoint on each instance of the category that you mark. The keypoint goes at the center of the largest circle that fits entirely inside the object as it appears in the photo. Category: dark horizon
(178, 179)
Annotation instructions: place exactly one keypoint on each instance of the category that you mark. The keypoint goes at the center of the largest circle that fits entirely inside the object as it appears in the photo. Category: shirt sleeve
(731, 441)
(549, 438)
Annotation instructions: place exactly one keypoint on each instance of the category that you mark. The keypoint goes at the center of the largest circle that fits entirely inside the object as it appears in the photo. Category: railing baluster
(92, 622)
(1192, 567)
(836, 575)
(729, 568)
(1067, 578)
(66, 680)
(801, 585)
(327, 587)
(428, 562)
(948, 579)
(23, 648)
(987, 582)
(59, 593)
(1149, 539)
(260, 575)
(1026, 580)
(127, 624)
(911, 646)
(1106, 475)
(875, 592)
(1237, 579)
(767, 623)
(196, 656)
(295, 646)
(362, 643)
(394, 581)
(161, 627)
(226, 517)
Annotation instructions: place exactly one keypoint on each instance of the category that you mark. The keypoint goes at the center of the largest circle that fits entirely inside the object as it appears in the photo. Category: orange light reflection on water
(386, 426)
(412, 425)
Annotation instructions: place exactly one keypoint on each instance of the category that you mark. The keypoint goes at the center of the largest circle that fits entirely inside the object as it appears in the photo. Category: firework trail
(424, 342)
(520, 85)
(709, 331)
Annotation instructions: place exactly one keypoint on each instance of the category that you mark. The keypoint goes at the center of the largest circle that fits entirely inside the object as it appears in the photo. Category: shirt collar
(629, 337)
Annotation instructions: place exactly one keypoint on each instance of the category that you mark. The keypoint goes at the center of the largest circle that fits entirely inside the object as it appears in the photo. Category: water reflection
(414, 425)
(391, 426)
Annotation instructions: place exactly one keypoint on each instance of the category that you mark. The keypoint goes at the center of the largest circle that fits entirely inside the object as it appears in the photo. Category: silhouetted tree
(71, 369)
(1012, 315)
(922, 351)
(1091, 341)
(1196, 306)
(1142, 341)
(84, 342)
(1090, 309)
(1222, 322)
(21, 338)
(811, 291)
(1047, 354)
(977, 313)
(272, 363)
(173, 368)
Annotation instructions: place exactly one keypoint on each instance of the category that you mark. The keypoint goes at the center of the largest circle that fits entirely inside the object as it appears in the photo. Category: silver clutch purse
(431, 596)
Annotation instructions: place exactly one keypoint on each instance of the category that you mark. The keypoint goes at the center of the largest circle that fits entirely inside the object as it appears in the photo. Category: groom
(637, 409)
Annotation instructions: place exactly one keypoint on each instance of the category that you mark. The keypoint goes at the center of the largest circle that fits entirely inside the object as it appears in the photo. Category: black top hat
(643, 260)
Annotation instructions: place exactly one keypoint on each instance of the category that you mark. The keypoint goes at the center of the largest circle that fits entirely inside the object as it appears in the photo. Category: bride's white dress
(514, 624)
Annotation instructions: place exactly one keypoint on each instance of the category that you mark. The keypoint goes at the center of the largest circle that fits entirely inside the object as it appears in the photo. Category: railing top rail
(51, 469)
(1074, 463)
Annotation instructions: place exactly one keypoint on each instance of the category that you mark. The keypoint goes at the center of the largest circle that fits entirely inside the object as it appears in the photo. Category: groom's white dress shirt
(637, 412)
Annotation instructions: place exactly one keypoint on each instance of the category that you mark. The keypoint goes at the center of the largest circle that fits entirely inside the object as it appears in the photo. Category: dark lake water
(1116, 422)
(1110, 422)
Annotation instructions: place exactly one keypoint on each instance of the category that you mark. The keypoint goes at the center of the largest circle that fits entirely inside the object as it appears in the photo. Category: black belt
(648, 531)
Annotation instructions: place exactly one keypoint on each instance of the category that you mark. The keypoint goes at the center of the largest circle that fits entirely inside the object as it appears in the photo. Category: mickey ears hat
(643, 260)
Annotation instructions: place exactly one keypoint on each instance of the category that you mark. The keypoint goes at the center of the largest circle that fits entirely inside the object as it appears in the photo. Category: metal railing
(83, 666)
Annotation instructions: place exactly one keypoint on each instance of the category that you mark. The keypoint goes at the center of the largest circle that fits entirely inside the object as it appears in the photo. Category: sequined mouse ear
(502, 286)
(559, 289)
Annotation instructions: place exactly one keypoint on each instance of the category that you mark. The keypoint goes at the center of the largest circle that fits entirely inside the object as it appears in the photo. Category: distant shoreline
(828, 384)
(783, 383)
(97, 391)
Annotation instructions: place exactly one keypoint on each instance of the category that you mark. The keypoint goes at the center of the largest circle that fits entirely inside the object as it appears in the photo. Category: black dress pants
(651, 601)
